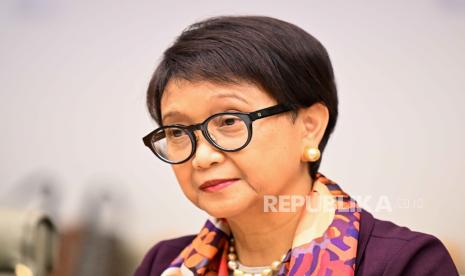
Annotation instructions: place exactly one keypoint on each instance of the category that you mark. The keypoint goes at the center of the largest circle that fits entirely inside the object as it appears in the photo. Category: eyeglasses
(226, 131)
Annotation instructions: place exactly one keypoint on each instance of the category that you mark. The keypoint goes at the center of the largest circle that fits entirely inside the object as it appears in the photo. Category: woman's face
(269, 165)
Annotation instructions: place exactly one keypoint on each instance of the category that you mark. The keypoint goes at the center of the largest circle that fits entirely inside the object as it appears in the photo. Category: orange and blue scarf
(325, 242)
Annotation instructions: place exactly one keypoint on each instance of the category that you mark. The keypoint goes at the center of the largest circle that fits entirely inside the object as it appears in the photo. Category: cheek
(272, 158)
(278, 142)
(183, 176)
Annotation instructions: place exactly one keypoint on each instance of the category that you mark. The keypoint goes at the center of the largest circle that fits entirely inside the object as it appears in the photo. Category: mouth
(217, 184)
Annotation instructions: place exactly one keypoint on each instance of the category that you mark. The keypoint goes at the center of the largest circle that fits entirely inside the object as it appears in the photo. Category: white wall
(73, 76)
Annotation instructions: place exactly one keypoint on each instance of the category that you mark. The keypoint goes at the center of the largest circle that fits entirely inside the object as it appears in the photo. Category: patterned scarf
(325, 242)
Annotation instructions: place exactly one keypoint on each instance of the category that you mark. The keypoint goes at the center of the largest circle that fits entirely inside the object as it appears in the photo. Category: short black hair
(284, 60)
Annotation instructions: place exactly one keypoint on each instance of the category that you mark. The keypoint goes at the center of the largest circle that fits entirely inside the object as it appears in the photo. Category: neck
(263, 237)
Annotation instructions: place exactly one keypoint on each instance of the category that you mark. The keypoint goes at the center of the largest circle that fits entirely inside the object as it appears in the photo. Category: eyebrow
(220, 95)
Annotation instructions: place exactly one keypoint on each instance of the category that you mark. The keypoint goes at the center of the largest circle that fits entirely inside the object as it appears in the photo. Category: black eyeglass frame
(247, 117)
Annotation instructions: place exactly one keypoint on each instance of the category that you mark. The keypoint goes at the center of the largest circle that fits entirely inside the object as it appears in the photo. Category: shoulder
(161, 254)
(386, 248)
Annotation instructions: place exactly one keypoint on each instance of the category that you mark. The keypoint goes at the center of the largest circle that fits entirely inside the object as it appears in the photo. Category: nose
(206, 155)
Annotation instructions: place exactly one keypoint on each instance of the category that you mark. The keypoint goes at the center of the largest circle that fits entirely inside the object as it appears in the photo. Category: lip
(217, 184)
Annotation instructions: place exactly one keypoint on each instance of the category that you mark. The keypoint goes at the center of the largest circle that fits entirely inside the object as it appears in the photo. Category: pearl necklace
(234, 266)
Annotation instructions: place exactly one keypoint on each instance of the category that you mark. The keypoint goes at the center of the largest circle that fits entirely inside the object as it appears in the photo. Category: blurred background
(73, 78)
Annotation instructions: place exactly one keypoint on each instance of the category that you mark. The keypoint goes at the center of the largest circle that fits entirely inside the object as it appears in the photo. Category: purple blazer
(384, 248)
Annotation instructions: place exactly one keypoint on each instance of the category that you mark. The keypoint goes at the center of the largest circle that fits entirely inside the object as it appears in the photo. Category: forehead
(182, 96)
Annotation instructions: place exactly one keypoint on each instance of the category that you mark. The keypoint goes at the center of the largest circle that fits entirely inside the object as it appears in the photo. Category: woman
(246, 106)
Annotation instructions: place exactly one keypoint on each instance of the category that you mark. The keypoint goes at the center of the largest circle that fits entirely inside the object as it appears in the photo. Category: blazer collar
(367, 223)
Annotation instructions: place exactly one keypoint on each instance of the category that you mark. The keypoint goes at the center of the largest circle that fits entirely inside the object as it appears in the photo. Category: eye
(230, 121)
(226, 121)
(175, 133)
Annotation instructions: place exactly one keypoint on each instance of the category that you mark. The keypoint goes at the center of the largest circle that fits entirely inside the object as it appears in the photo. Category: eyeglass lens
(227, 131)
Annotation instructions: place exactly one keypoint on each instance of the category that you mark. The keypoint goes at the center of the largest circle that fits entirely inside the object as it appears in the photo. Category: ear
(313, 121)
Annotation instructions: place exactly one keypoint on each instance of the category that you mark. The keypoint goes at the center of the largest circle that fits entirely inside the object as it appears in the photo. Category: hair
(282, 59)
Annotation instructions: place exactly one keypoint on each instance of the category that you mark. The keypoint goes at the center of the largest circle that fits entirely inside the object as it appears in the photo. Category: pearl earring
(311, 154)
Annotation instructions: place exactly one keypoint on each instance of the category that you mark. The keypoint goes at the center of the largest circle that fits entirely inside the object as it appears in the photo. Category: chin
(222, 211)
